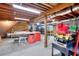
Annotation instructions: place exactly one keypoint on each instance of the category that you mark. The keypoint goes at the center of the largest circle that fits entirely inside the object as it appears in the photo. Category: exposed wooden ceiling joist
(56, 8)
(4, 10)
(71, 14)
(37, 4)
(65, 16)
(45, 5)
(50, 6)
(7, 9)
(34, 6)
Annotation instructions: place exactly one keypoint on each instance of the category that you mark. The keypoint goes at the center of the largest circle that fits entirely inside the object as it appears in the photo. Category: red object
(37, 36)
(31, 39)
(76, 47)
(62, 28)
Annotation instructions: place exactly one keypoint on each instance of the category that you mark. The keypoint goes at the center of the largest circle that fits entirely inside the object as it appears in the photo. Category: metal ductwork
(74, 8)
(69, 10)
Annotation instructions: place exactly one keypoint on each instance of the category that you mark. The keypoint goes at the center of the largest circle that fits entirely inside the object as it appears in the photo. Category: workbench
(21, 33)
(24, 35)
(63, 49)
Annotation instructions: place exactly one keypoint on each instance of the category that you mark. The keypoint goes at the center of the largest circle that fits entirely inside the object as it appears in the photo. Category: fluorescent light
(21, 19)
(26, 9)
(38, 23)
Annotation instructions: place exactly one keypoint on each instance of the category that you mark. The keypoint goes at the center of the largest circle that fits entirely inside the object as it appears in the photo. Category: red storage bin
(62, 28)
(37, 36)
(31, 39)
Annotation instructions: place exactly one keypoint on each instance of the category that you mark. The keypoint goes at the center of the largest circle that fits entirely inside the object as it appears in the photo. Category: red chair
(37, 36)
(31, 39)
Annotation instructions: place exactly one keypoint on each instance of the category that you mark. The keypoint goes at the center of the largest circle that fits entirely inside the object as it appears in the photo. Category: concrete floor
(8, 48)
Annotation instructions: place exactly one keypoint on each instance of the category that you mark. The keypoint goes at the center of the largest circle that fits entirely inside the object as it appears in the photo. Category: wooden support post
(46, 41)
(0, 39)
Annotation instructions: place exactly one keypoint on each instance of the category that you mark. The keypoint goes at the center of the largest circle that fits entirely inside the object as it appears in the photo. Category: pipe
(66, 11)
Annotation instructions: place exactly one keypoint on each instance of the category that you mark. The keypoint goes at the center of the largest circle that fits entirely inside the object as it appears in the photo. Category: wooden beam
(45, 5)
(59, 18)
(71, 15)
(34, 6)
(20, 14)
(65, 16)
(37, 4)
(56, 8)
(52, 4)
(48, 5)
(10, 9)
(5, 6)
(62, 17)
(46, 41)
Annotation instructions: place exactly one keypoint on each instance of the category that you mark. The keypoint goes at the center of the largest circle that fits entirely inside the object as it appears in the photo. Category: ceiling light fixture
(26, 9)
(21, 19)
